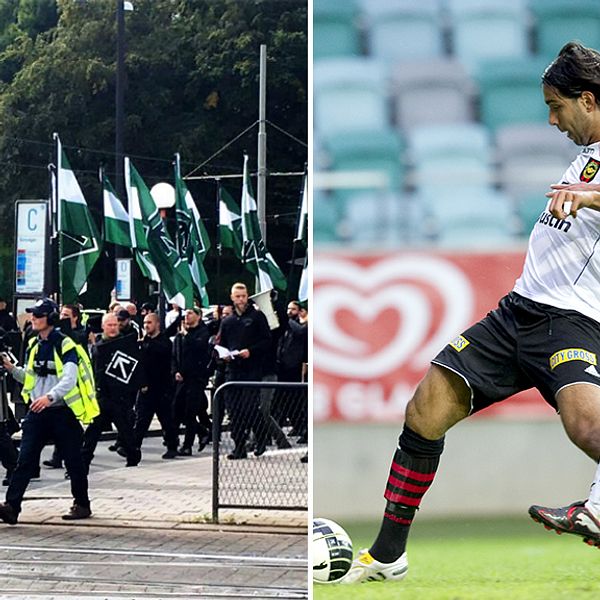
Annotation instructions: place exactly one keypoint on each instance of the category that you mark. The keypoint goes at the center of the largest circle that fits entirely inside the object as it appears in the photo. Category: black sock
(413, 469)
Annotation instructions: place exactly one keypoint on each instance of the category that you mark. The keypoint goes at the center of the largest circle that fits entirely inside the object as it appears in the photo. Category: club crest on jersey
(569, 354)
(459, 343)
(590, 170)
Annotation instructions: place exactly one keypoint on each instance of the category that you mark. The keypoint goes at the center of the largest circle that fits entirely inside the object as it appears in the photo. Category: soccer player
(545, 334)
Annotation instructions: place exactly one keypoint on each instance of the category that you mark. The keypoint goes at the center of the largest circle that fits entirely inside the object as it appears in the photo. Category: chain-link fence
(260, 445)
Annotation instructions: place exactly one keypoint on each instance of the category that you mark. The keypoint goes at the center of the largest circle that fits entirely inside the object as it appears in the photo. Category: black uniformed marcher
(189, 368)
(115, 397)
(246, 331)
(155, 398)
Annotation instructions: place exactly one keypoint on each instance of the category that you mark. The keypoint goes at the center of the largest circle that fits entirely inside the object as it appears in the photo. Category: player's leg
(579, 407)
(440, 401)
(558, 351)
(475, 370)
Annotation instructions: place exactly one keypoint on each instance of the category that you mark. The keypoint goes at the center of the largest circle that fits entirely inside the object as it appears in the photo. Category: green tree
(192, 86)
(36, 16)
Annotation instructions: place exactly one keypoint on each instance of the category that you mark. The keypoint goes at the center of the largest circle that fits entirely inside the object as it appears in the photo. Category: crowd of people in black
(145, 368)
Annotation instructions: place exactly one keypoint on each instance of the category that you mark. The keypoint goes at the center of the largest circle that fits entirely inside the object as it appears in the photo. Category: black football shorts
(524, 344)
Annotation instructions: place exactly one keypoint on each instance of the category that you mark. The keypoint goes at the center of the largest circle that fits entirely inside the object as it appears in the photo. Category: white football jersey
(562, 267)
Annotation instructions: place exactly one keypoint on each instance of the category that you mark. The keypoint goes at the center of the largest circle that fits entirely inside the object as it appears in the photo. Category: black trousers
(191, 409)
(115, 410)
(292, 406)
(159, 403)
(60, 425)
(245, 415)
(8, 450)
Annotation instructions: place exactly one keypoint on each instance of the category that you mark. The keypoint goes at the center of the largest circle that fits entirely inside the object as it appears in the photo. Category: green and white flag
(79, 246)
(302, 230)
(192, 238)
(303, 287)
(116, 219)
(174, 273)
(137, 234)
(254, 253)
(118, 227)
(230, 222)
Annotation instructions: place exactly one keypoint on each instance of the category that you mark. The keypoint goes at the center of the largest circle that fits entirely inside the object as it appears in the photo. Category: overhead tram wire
(88, 150)
(111, 154)
(228, 144)
(281, 130)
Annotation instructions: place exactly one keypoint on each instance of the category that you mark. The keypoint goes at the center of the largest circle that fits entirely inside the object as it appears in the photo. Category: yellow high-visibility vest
(81, 399)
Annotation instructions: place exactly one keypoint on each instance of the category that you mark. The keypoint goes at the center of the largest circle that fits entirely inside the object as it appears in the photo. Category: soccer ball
(331, 550)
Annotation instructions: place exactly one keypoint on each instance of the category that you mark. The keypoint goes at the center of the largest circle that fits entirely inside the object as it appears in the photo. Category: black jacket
(7, 321)
(103, 352)
(293, 346)
(249, 330)
(156, 360)
(191, 354)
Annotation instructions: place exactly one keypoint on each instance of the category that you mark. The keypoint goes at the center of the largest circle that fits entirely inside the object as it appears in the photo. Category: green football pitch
(482, 559)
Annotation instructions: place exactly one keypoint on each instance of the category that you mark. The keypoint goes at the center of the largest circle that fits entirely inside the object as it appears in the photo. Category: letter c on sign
(31, 215)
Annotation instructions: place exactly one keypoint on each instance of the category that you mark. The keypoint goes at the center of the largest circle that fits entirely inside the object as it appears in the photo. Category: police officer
(70, 325)
(50, 387)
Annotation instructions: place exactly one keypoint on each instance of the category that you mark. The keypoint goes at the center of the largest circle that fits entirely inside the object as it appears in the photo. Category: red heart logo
(374, 319)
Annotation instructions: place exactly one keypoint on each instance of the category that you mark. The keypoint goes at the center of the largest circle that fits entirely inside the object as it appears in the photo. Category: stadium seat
(335, 31)
(470, 217)
(397, 30)
(326, 218)
(368, 151)
(450, 153)
(320, 157)
(490, 29)
(560, 21)
(510, 91)
(432, 92)
(373, 218)
(532, 156)
(350, 94)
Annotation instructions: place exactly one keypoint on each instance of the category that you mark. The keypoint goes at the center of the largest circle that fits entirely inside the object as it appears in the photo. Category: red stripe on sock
(409, 487)
(396, 519)
(412, 474)
(399, 498)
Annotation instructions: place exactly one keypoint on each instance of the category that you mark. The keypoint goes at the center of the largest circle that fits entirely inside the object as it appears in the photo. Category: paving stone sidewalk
(169, 494)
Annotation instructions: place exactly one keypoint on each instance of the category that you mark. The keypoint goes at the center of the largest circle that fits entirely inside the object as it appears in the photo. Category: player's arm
(567, 199)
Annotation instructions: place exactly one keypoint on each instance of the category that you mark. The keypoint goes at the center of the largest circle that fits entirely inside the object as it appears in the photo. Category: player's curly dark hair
(575, 70)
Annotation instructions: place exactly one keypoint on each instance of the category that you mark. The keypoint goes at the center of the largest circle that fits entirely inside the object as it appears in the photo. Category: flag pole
(51, 275)
(57, 219)
(297, 239)
(292, 274)
(219, 246)
(261, 185)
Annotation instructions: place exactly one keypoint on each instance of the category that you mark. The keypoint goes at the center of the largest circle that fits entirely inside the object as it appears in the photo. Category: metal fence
(260, 438)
